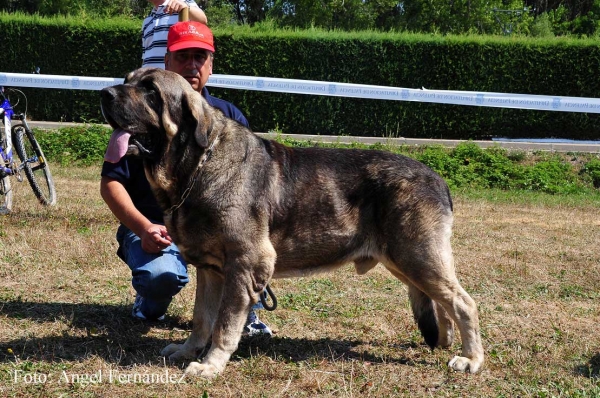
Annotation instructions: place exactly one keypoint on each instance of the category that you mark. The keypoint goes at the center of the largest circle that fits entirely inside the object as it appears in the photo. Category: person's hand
(175, 6)
(155, 238)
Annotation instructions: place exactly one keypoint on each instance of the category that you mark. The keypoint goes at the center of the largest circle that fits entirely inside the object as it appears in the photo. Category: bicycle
(32, 159)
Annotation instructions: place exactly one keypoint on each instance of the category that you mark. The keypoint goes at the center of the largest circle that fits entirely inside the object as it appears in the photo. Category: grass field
(531, 262)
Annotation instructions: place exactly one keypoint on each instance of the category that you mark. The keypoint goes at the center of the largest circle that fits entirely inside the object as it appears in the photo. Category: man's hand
(175, 6)
(155, 238)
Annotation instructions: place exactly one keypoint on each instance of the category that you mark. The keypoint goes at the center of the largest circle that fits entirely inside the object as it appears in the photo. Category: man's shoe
(136, 312)
(254, 326)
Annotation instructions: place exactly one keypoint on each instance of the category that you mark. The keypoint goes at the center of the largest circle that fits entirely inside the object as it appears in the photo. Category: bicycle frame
(6, 152)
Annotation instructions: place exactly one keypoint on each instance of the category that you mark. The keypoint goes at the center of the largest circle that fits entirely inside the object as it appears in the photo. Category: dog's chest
(196, 242)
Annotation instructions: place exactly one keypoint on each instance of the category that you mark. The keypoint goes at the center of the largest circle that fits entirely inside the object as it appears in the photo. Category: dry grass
(534, 270)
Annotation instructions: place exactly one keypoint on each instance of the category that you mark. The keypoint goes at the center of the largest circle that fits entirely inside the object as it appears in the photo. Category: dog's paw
(177, 353)
(463, 364)
(170, 349)
(202, 370)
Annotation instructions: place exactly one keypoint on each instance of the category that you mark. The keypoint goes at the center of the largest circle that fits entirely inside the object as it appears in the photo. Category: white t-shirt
(154, 34)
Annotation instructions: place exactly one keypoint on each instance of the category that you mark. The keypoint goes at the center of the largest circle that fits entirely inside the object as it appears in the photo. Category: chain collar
(188, 190)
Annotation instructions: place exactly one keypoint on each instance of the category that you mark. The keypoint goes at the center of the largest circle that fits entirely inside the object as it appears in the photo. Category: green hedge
(66, 46)
(111, 48)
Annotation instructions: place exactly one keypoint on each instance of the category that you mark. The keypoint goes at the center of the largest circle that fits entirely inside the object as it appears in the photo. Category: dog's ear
(194, 106)
(168, 112)
(201, 133)
(170, 126)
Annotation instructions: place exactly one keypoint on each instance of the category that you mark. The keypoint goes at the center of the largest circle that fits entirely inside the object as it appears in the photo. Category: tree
(563, 17)
(460, 16)
(242, 11)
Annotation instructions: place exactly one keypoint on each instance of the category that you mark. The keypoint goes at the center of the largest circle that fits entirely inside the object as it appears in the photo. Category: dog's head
(155, 110)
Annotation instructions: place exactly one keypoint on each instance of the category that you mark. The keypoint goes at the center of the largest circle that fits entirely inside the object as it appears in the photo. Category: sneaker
(136, 312)
(254, 326)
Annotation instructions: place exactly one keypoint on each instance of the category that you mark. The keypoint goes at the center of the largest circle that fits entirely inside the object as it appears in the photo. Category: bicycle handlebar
(7, 108)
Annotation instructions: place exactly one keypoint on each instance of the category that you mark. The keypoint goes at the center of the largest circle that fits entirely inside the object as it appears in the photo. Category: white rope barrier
(292, 86)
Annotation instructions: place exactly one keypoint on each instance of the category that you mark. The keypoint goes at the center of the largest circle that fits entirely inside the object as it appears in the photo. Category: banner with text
(292, 86)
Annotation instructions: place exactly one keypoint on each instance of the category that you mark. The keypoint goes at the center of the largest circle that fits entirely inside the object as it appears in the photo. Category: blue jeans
(156, 277)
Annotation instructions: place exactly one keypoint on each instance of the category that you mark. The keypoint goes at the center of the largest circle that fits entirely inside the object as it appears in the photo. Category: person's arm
(154, 236)
(196, 13)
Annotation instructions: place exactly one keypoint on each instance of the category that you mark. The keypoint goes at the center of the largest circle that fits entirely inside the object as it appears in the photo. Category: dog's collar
(188, 190)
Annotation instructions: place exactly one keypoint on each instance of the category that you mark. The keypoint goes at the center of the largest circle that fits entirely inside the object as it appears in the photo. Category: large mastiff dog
(243, 210)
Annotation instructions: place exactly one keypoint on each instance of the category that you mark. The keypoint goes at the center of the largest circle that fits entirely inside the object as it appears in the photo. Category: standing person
(156, 27)
(158, 270)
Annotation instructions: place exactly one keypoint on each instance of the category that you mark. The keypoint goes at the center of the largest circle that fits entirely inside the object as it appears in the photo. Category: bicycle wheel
(6, 196)
(35, 165)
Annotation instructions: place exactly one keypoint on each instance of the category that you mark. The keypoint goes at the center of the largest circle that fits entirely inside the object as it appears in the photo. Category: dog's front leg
(209, 288)
(236, 302)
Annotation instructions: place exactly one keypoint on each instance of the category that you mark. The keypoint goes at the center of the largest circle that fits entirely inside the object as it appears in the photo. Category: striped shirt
(154, 35)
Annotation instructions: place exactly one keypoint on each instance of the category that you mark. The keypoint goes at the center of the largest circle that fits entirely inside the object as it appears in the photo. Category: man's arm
(154, 236)
(196, 13)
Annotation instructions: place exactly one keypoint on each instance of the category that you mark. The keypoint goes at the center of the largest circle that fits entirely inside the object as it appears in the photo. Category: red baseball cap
(190, 34)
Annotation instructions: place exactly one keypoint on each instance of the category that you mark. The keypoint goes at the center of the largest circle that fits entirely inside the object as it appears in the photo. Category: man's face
(194, 64)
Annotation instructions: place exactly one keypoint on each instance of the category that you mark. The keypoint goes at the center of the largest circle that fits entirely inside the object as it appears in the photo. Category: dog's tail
(424, 313)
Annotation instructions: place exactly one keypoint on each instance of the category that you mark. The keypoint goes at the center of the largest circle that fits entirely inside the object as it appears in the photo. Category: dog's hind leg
(424, 313)
(443, 287)
(432, 319)
(209, 289)
(463, 310)
(428, 265)
(445, 326)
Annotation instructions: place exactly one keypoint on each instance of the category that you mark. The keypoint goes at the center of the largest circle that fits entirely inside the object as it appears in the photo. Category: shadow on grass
(80, 331)
(591, 369)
